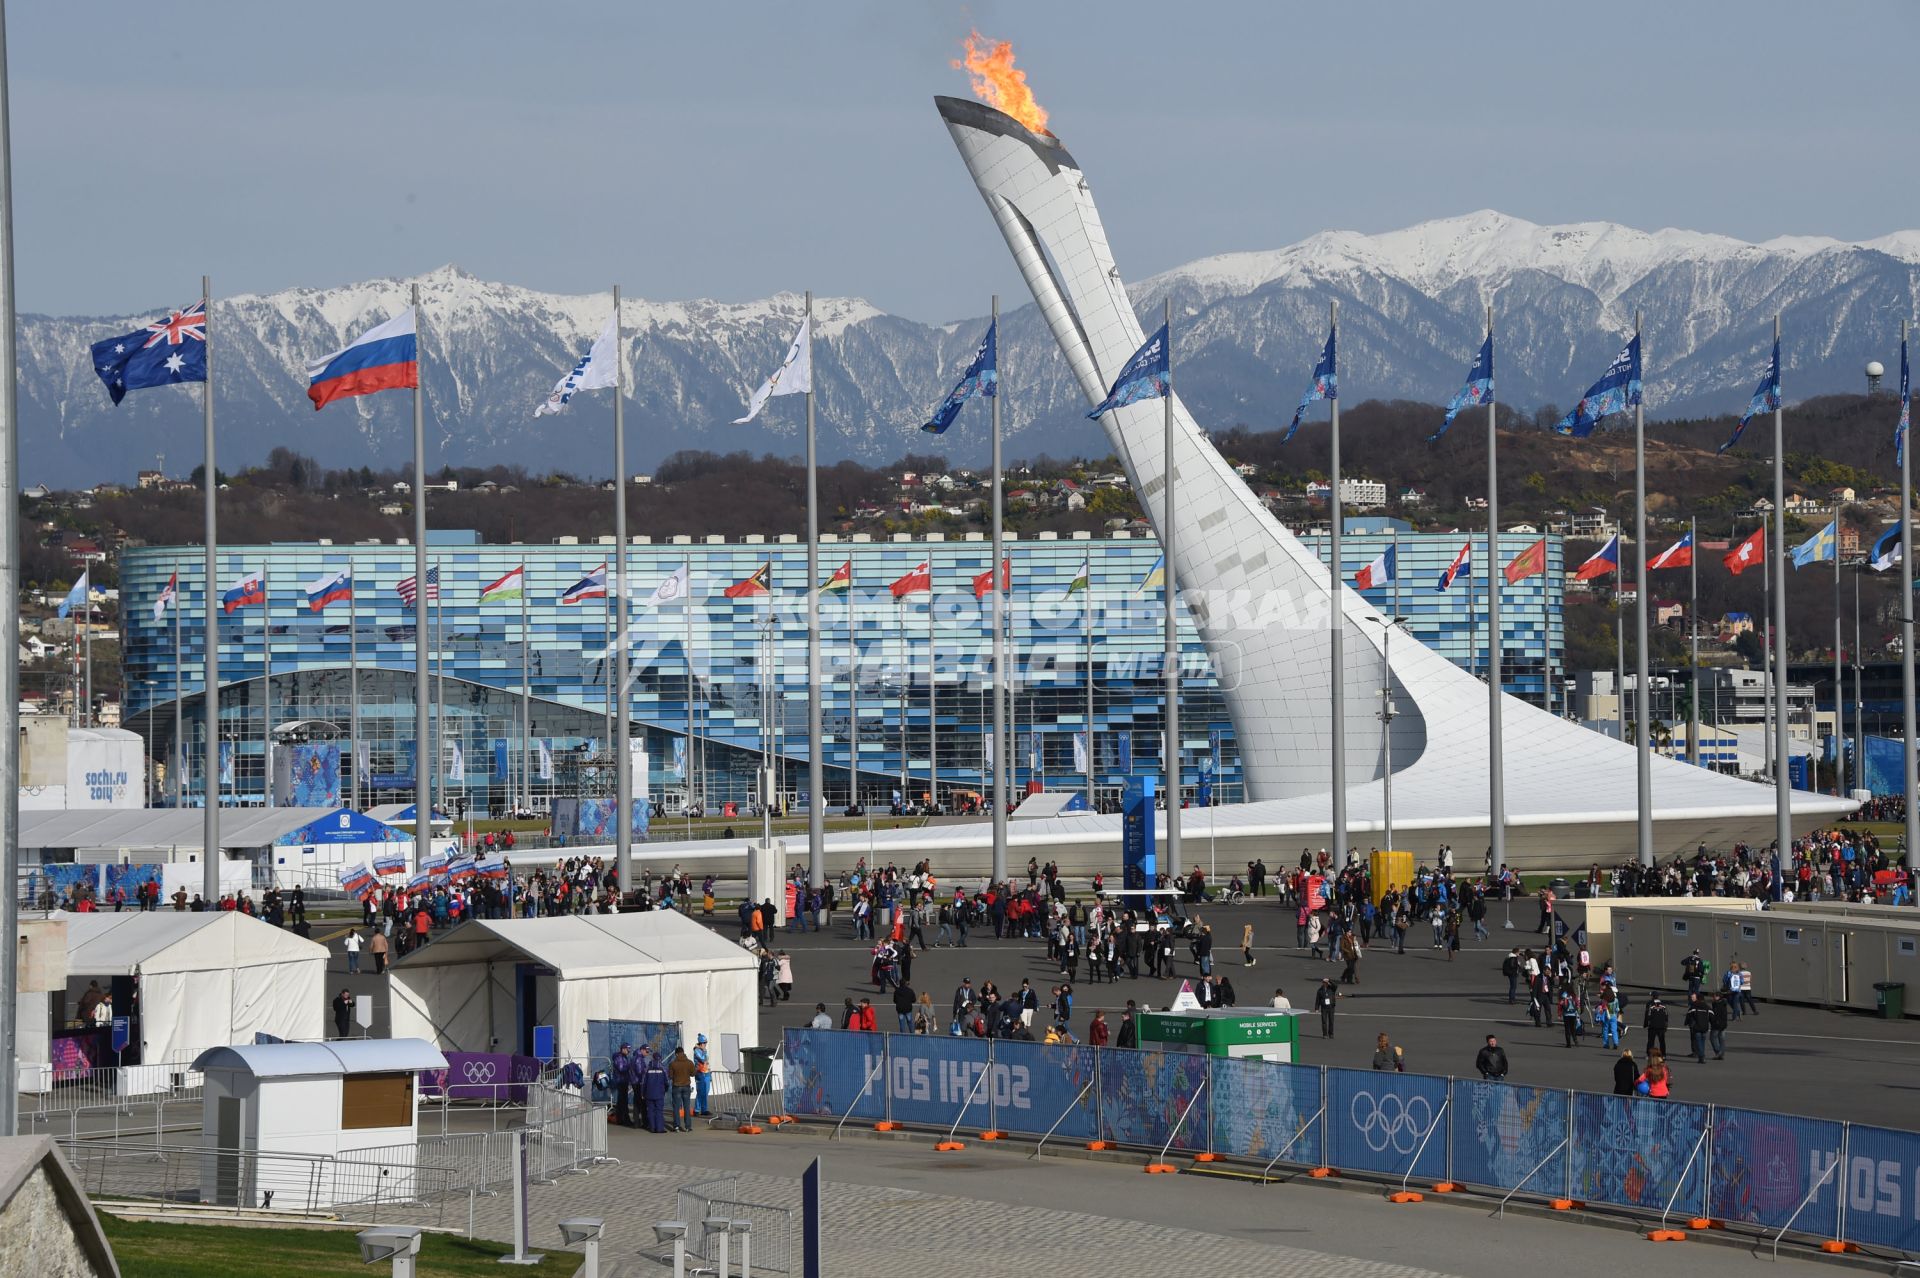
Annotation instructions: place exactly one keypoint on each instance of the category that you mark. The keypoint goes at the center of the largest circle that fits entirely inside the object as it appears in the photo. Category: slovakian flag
(591, 586)
(333, 588)
(1326, 382)
(169, 597)
(983, 582)
(250, 589)
(756, 583)
(1678, 555)
(1477, 391)
(385, 357)
(1377, 573)
(982, 377)
(1602, 561)
(1530, 562)
(1886, 551)
(1748, 554)
(841, 581)
(164, 352)
(919, 578)
(1462, 566)
(1766, 398)
(1617, 390)
(1148, 374)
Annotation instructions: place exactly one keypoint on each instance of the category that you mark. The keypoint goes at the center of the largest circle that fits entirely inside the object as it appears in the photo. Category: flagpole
(933, 696)
(1496, 741)
(210, 689)
(10, 623)
(423, 758)
(816, 761)
(1337, 667)
(906, 683)
(1172, 617)
(1087, 625)
(1693, 621)
(1839, 680)
(606, 687)
(687, 776)
(1776, 562)
(622, 770)
(266, 687)
(1642, 698)
(353, 686)
(526, 696)
(1619, 657)
(999, 795)
(1910, 774)
(1859, 708)
(86, 604)
(179, 711)
(1766, 647)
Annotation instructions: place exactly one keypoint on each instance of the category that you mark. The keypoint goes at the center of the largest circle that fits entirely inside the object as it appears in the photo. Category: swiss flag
(1748, 554)
(917, 579)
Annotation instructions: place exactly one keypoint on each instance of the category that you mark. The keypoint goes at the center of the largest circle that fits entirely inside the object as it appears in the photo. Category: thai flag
(1678, 555)
(591, 586)
(337, 588)
(1604, 560)
(1462, 566)
(250, 589)
(1377, 573)
(385, 357)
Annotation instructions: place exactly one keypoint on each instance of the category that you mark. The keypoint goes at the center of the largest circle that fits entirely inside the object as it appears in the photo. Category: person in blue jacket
(653, 1091)
(703, 1081)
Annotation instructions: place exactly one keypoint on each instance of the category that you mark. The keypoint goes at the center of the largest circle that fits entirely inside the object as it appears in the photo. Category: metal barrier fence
(108, 1101)
(1770, 1174)
(769, 1227)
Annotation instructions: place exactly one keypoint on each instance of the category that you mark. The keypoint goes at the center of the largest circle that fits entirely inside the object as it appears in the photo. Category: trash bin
(758, 1062)
(1891, 999)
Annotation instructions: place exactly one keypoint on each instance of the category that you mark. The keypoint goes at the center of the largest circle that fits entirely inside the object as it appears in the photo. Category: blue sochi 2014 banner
(1263, 1109)
(827, 1072)
(1505, 1134)
(1037, 1085)
(1632, 1152)
(1766, 1165)
(1882, 1187)
(1380, 1122)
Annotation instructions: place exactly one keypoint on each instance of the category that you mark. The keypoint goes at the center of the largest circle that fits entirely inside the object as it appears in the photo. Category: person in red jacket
(1097, 1032)
(863, 1018)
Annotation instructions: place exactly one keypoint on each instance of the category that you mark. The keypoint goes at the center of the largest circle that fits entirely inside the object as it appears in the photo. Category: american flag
(407, 589)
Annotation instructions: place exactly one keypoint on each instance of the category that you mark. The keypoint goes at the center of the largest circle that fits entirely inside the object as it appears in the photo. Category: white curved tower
(1260, 599)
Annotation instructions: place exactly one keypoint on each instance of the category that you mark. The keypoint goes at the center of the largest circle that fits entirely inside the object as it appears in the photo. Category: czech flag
(983, 582)
(1462, 566)
(337, 588)
(752, 586)
(1678, 555)
(917, 579)
(1377, 573)
(1748, 554)
(382, 358)
(1605, 560)
(591, 586)
(250, 589)
(1530, 562)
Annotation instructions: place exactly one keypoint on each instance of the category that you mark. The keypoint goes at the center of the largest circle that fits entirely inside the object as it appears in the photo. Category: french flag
(1605, 560)
(337, 588)
(1377, 573)
(382, 358)
(591, 586)
(1462, 566)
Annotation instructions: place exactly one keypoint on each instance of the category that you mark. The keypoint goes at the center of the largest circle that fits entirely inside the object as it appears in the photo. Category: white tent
(206, 980)
(483, 986)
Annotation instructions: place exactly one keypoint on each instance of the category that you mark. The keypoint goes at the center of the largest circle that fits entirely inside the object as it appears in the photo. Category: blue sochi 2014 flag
(1326, 382)
(1617, 390)
(1766, 398)
(981, 378)
(1477, 391)
(164, 352)
(1148, 375)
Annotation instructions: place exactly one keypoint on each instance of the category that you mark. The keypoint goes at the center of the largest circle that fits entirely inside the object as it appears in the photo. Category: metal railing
(771, 1226)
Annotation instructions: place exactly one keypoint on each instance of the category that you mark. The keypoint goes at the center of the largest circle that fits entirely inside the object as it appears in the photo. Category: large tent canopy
(160, 829)
(486, 984)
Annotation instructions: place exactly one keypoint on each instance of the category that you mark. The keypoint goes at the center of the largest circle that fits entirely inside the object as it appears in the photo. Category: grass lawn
(149, 1250)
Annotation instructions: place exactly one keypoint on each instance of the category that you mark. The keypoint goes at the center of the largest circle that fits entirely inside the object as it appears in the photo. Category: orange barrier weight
(1667, 1235)
(1161, 1169)
(749, 1129)
(993, 1135)
(946, 1145)
(1406, 1196)
(1206, 1158)
(1446, 1187)
(1097, 1145)
(886, 1127)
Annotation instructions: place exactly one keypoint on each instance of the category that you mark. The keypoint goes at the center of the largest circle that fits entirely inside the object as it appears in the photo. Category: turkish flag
(1748, 554)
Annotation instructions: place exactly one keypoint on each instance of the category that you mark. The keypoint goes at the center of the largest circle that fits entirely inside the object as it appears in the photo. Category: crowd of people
(1827, 865)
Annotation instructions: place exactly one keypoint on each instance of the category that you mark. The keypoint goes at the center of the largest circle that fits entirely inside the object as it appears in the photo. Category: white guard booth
(313, 1125)
(205, 980)
(484, 986)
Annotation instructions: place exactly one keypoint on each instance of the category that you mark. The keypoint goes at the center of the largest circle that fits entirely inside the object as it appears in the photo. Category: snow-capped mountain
(1247, 326)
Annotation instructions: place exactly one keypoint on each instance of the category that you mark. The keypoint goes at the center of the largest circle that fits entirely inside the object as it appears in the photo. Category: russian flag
(250, 589)
(1377, 573)
(382, 358)
(1462, 566)
(337, 588)
(1605, 560)
(591, 586)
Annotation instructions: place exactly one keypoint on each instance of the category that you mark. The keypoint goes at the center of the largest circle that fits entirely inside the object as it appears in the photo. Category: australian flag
(1617, 390)
(1766, 398)
(981, 378)
(1326, 383)
(170, 350)
(1477, 391)
(1148, 375)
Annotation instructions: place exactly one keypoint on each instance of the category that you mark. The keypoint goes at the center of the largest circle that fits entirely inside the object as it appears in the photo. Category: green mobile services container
(1269, 1034)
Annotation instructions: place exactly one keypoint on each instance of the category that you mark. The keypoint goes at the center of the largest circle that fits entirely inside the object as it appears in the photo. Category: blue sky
(730, 150)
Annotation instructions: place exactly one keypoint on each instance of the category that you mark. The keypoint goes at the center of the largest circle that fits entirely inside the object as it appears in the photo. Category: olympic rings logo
(1391, 1122)
(478, 1071)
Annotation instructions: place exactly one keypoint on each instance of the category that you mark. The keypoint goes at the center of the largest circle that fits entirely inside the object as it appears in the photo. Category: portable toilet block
(312, 1125)
(1271, 1034)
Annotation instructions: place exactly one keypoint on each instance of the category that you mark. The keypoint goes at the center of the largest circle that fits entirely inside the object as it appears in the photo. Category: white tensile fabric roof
(578, 946)
(160, 828)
